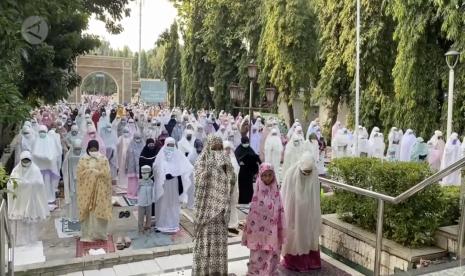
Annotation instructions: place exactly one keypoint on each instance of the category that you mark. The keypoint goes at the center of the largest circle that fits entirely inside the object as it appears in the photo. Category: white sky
(157, 15)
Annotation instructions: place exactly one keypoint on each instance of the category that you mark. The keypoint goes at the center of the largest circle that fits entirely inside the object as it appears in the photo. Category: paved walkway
(178, 265)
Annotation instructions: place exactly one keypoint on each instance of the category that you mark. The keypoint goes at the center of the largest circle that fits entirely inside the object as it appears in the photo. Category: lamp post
(174, 100)
(252, 71)
(452, 58)
(357, 79)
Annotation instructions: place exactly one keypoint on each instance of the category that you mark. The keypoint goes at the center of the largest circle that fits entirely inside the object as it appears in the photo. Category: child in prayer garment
(264, 229)
(145, 198)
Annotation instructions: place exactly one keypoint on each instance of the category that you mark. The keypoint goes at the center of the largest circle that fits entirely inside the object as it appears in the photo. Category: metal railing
(399, 199)
(6, 268)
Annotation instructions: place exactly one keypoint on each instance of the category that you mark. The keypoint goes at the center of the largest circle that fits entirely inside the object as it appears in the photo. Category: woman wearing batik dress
(214, 181)
(94, 194)
(264, 229)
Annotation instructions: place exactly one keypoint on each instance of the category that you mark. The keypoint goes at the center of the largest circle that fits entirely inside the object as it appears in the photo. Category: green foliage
(196, 68)
(411, 223)
(288, 48)
(171, 62)
(44, 73)
(451, 209)
(328, 204)
(4, 179)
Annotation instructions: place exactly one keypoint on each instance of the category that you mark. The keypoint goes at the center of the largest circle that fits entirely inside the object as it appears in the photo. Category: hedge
(411, 223)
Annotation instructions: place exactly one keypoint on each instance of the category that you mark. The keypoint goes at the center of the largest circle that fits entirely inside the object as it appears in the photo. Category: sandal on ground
(127, 242)
(120, 243)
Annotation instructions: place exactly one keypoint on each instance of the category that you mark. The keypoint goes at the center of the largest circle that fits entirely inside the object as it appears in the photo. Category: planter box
(358, 246)
(446, 238)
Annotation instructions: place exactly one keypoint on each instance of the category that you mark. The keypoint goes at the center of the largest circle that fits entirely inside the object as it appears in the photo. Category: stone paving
(166, 255)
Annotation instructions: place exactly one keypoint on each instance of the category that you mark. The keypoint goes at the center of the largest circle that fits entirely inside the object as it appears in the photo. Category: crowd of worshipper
(205, 161)
(167, 160)
(405, 147)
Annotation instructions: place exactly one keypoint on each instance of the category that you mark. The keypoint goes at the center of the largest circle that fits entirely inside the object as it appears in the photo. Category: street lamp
(233, 92)
(174, 100)
(252, 71)
(270, 94)
(452, 58)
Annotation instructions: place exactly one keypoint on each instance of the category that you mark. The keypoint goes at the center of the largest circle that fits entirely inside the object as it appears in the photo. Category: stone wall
(358, 246)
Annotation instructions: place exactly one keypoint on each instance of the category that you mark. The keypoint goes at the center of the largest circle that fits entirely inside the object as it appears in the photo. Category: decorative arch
(83, 79)
(118, 68)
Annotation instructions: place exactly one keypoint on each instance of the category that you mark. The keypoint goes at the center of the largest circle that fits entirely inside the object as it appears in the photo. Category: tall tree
(337, 74)
(171, 68)
(196, 68)
(288, 48)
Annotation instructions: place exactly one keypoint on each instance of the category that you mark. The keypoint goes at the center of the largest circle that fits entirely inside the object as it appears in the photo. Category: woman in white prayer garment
(294, 150)
(394, 138)
(26, 141)
(233, 224)
(406, 145)
(452, 153)
(69, 179)
(273, 151)
(256, 138)
(291, 130)
(377, 146)
(45, 156)
(110, 140)
(28, 206)
(436, 147)
(172, 172)
(186, 144)
(301, 200)
(342, 143)
(372, 134)
(122, 150)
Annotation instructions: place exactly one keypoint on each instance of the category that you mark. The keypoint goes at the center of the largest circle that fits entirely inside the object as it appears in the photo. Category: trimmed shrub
(328, 204)
(411, 223)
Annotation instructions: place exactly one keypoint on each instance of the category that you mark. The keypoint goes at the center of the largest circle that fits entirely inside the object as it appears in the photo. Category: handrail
(4, 226)
(399, 199)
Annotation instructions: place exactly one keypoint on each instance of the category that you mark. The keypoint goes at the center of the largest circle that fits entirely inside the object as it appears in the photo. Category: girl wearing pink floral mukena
(264, 230)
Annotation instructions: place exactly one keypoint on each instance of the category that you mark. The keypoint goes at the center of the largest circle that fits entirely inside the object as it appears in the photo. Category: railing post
(461, 230)
(2, 239)
(379, 237)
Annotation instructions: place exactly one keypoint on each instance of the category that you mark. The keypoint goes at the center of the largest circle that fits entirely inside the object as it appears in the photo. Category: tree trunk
(332, 114)
(290, 112)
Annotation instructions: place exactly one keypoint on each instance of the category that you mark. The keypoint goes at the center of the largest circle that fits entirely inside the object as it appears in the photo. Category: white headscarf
(273, 149)
(291, 130)
(45, 152)
(176, 164)
(184, 145)
(31, 201)
(452, 153)
(301, 201)
(377, 146)
(406, 145)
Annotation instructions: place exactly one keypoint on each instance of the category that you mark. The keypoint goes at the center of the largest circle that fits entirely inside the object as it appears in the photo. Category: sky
(157, 16)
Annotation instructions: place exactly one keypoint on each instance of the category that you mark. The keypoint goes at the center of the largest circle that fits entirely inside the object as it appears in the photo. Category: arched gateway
(118, 68)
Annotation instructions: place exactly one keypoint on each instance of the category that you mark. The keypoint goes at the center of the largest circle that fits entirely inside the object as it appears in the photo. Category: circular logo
(34, 29)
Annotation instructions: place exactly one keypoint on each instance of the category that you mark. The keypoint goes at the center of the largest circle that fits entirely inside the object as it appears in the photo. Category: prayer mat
(82, 248)
(59, 228)
(29, 254)
(69, 226)
(153, 239)
(130, 201)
